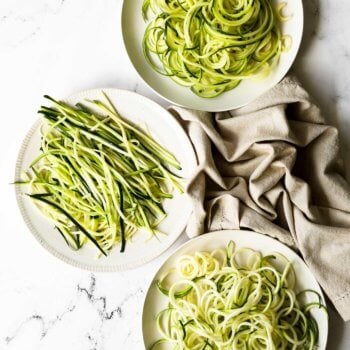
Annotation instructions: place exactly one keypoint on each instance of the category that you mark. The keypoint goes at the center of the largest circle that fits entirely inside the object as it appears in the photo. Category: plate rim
(25, 216)
(218, 109)
(211, 236)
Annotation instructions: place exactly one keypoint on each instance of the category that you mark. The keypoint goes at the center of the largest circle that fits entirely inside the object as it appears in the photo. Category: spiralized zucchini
(99, 178)
(235, 299)
(211, 45)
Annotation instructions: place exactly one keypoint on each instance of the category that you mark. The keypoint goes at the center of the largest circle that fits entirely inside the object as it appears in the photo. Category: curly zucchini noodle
(212, 45)
(235, 299)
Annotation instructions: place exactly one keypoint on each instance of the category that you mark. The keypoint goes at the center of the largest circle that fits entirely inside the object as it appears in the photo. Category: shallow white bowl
(133, 28)
(155, 301)
(166, 130)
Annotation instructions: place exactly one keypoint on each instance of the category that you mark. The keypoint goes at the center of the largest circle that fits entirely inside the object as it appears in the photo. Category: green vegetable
(235, 299)
(99, 178)
(212, 45)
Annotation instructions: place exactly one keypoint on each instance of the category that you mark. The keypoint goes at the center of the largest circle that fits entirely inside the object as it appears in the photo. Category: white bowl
(133, 28)
(155, 301)
(168, 132)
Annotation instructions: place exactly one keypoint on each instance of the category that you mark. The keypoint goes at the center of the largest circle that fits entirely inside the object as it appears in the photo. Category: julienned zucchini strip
(235, 299)
(212, 45)
(43, 198)
(99, 178)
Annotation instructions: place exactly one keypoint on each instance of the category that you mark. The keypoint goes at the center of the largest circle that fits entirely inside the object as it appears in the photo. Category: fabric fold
(273, 166)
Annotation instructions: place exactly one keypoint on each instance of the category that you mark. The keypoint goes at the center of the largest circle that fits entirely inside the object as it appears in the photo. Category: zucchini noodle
(280, 16)
(99, 178)
(212, 45)
(235, 299)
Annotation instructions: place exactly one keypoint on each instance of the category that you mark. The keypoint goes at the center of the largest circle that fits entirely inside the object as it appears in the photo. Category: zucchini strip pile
(235, 299)
(211, 45)
(99, 178)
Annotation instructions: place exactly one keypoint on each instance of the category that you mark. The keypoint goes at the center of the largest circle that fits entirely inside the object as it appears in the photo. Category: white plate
(156, 301)
(166, 130)
(133, 28)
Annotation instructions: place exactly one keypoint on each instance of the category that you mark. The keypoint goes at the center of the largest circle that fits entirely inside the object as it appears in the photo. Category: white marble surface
(63, 46)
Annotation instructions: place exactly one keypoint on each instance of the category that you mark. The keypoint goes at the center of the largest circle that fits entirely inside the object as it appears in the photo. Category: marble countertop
(59, 47)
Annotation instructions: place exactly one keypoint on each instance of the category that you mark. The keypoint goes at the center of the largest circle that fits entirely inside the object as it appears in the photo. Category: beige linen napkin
(273, 167)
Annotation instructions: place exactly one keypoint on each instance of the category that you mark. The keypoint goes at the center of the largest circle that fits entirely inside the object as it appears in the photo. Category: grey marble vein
(99, 304)
(46, 326)
(102, 311)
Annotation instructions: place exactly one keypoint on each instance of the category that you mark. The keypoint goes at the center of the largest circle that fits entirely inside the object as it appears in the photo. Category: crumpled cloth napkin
(273, 167)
